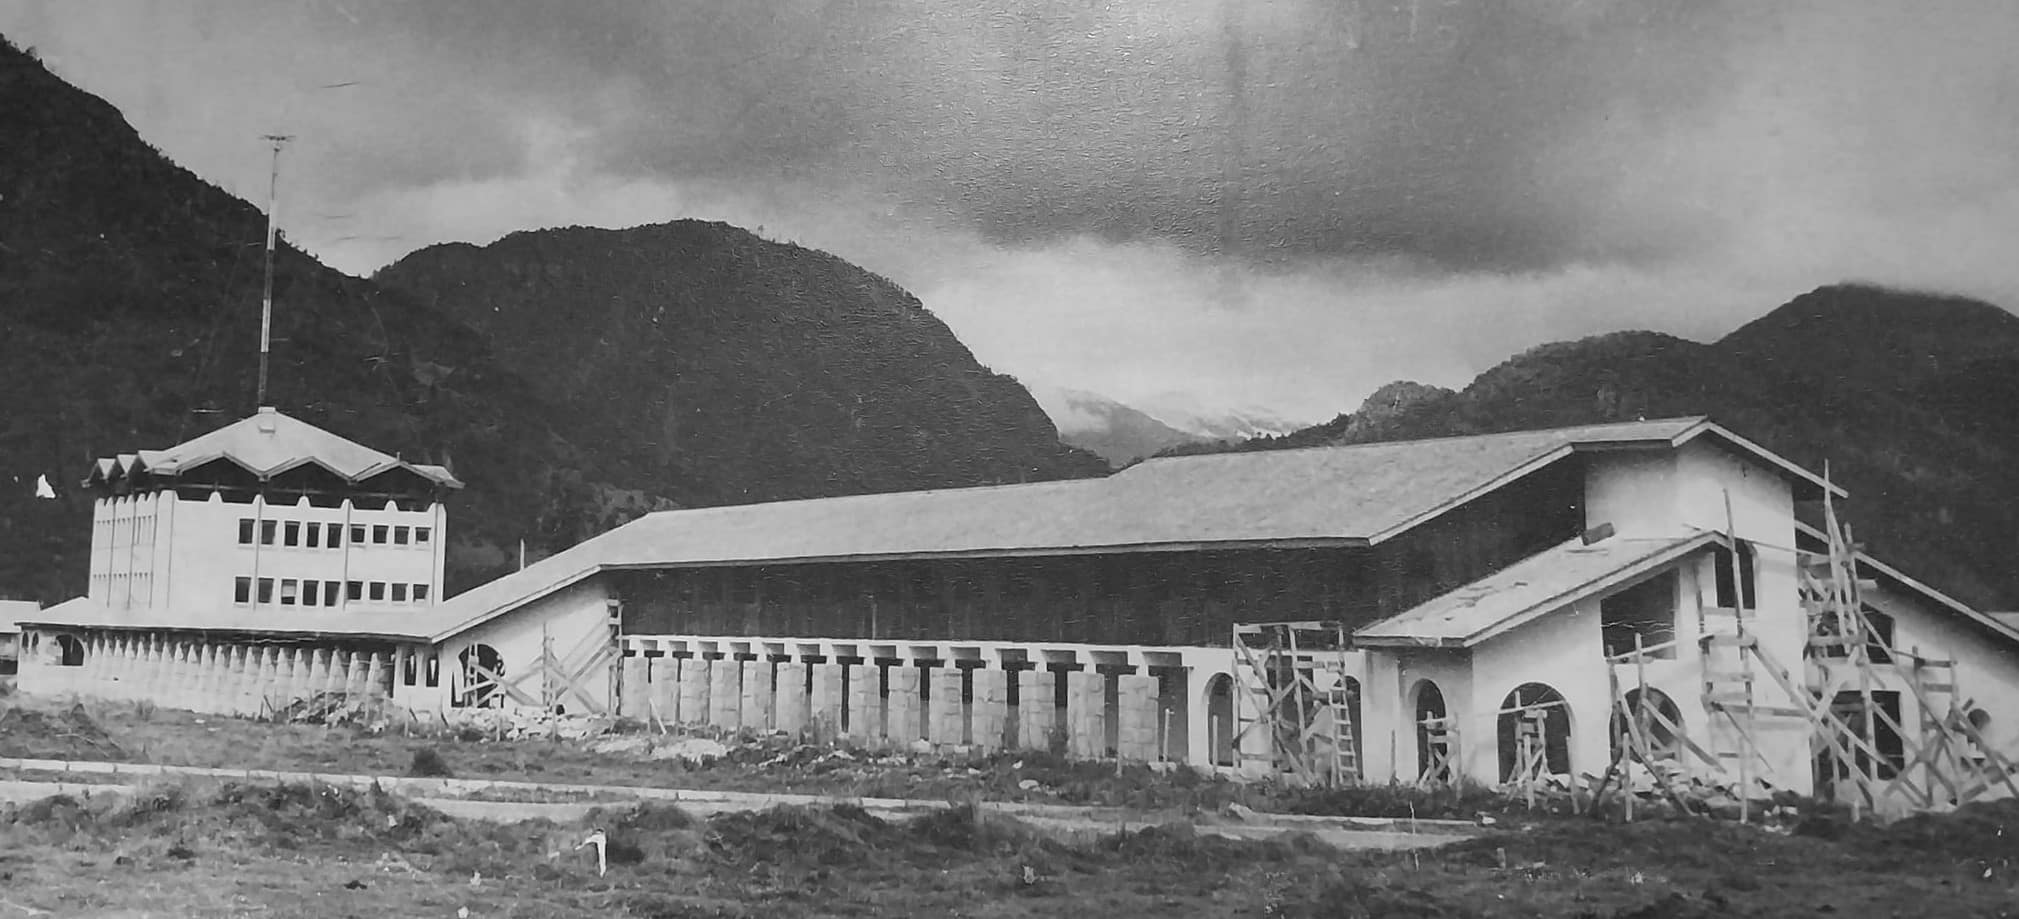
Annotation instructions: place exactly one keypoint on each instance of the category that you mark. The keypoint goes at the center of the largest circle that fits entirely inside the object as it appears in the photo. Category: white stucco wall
(1563, 650)
(1987, 667)
(159, 551)
(567, 618)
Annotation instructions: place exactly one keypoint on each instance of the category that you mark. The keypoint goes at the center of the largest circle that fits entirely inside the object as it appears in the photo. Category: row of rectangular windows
(295, 592)
(294, 533)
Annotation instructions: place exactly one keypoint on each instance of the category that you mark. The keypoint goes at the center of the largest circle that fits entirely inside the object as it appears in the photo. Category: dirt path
(447, 796)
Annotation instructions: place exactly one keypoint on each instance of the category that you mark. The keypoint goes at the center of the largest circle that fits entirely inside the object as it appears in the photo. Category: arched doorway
(1534, 722)
(1220, 719)
(1436, 753)
(481, 668)
(1660, 723)
(69, 651)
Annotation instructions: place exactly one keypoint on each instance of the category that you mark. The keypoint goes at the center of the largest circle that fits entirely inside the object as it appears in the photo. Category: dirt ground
(98, 731)
(222, 849)
(195, 848)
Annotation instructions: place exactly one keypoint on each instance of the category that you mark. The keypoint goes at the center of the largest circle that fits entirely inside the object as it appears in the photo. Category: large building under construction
(1510, 608)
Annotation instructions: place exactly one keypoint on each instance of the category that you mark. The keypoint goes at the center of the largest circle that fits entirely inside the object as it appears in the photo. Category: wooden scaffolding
(1299, 699)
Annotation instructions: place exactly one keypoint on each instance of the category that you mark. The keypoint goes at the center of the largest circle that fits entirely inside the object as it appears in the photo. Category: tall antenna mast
(266, 290)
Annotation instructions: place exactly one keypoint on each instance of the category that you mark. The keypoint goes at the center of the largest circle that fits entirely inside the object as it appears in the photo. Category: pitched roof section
(1526, 590)
(83, 613)
(1348, 495)
(2004, 625)
(266, 444)
(13, 611)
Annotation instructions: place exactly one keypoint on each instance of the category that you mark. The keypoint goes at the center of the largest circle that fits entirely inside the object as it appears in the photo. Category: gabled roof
(1526, 590)
(1358, 495)
(267, 444)
(84, 613)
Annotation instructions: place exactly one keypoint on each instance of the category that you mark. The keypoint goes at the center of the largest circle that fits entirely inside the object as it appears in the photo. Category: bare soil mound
(32, 734)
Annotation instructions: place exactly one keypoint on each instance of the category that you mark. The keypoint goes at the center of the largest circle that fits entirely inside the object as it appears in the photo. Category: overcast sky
(1281, 204)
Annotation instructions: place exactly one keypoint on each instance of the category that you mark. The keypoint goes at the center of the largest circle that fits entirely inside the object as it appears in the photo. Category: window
(420, 536)
(289, 588)
(357, 533)
(1645, 611)
(336, 536)
(379, 535)
(1734, 582)
(266, 590)
(420, 593)
(308, 592)
(245, 529)
(329, 593)
(357, 590)
(378, 590)
(433, 671)
(241, 590)
(293, 534)
(266, 531)
(314, 536)
(400, 535)
(409, 668)
(399, 593)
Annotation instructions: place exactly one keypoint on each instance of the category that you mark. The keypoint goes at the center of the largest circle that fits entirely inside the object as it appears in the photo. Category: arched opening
(1220, 719)
(1534, 733)
(69, 651)
(482, 668)
(1436, 742)
(1659, 721)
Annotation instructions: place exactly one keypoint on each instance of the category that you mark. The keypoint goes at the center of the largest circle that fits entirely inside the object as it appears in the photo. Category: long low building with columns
(1483, 592)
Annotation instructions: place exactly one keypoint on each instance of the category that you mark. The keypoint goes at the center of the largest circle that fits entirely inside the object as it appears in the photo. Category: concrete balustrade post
(865, 704)
(900, 719)
(1037, 701)
(375, 686)
(790, 700)
(725, 694)
(757, 695)
(989, 714)
(947, 711)
(694, 685)
(1136, 738)
(634, 690)
(663, 702)
(825, 705)
(1086, 714)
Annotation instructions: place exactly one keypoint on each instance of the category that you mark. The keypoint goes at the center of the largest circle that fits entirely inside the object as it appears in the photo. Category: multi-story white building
(265, 518)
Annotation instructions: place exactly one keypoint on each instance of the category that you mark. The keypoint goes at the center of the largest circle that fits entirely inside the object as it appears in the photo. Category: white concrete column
(946, 719)
(1087, 714)
(355, 686)
(663, 673)
(1037, 701)
(825, 704)
(725, 694)
(865, 704)
(1136, 737)
(694, 686)
(990, 711)
(375, 692)
(791, 699)
(634, 690)
(757, 696)
(900, 720)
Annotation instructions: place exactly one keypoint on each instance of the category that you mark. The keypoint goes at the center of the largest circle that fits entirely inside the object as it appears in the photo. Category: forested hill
(1912, 400)
(736, 368)
(129, 295)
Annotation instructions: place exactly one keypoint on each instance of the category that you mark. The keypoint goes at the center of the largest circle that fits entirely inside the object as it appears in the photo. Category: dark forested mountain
(1911, 399)
(735, 369)
(129, 318)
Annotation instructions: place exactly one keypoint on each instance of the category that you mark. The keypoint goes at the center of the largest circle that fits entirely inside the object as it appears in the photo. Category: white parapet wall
(1142, 703)
(202, 675)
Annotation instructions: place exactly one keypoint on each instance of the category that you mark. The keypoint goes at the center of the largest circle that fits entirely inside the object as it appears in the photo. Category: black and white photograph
(1009, 458)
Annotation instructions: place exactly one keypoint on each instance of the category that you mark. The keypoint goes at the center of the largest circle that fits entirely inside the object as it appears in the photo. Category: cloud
(1284, 202)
